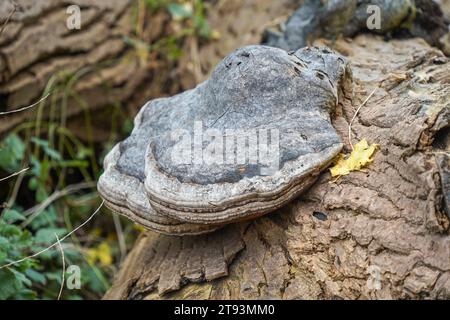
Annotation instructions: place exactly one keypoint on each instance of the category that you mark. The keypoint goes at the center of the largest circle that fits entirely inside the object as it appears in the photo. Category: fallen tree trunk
(378, 234)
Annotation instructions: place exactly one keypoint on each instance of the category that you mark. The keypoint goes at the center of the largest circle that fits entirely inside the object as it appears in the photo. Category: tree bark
(37, 47)
(382, 233)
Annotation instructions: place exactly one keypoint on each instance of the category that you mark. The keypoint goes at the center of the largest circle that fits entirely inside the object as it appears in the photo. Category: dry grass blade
(63, 276)
(25, 108)
(14, 174)
(356, 114)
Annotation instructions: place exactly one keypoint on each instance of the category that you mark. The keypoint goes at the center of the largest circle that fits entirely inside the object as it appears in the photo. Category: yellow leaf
(139, 228)
(361, 156)
(102, 254)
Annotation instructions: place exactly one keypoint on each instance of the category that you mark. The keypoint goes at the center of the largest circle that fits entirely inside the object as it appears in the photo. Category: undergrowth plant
(51, 198)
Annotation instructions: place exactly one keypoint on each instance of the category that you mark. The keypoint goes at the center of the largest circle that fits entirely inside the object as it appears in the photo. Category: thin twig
(356, 114)
(27, 107)
(15, 174)
(56, 243)
(63, 276)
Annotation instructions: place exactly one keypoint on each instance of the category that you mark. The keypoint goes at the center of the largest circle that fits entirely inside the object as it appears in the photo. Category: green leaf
(12, 151)
(52, 153)
(9, 286)
(11, 216)
(41, 193)
(3, 257)
(21, 277)
(36, 168)
(33, 184)
(179, 11)
(36, 276)
(3, 242)
(10, 230)
(45, 219)
(47, 236)
(202, 27)
(83, 153)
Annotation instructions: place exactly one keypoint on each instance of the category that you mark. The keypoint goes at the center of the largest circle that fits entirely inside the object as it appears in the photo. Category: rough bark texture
(36, 45)
(175, 261)
(381, 233)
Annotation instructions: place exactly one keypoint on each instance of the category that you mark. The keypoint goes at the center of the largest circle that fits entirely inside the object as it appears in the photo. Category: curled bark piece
(173, 262)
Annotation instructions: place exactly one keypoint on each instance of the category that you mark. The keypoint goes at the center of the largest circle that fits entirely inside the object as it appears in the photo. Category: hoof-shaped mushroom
(245, 142)
(122, 188)
(248, 140)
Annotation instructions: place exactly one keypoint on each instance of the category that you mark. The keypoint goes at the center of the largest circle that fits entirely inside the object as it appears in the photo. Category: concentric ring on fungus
(257, 93)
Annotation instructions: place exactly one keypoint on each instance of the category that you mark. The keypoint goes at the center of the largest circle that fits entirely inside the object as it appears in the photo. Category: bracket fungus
(245, 142)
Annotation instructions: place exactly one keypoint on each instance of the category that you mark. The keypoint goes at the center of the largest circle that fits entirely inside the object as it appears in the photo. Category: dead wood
(381, 233)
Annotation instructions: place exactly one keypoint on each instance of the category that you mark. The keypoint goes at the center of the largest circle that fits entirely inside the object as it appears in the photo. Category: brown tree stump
(382, 233)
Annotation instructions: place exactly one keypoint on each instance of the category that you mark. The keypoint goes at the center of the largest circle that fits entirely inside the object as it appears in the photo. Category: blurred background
(68, 94)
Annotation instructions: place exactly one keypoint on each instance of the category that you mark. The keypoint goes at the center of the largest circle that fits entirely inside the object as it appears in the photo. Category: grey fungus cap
(245, 142)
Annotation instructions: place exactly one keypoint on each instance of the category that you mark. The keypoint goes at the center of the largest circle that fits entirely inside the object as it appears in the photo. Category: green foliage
(191, 21)
(15, 284)
(193, 14)
(56, 158)
(11, 153)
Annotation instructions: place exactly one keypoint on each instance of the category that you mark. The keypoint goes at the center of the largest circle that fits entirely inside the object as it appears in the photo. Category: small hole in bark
(319, 75)
(442, 139)
(440, 60)
(320, 215)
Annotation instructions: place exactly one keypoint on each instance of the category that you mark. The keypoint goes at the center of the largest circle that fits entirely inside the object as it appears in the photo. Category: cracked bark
(36, 45)
(378, 234)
